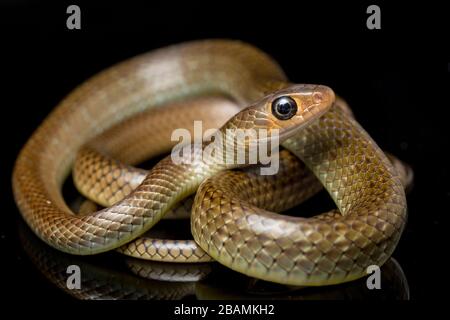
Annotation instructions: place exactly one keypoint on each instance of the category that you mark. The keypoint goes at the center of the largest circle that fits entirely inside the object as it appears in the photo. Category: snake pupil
(284, 107)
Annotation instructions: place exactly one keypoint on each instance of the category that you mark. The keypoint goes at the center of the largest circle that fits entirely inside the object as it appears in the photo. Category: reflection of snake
(329, 248)
(156, 280)
(99, 280)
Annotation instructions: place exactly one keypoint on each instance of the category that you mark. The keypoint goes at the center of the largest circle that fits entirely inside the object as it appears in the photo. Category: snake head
(287, 110)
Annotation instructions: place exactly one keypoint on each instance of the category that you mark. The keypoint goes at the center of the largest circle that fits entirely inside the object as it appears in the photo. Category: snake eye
(284, 107)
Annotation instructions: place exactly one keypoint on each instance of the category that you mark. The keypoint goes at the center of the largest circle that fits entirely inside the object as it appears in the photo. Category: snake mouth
(286, 134)
(275, 139)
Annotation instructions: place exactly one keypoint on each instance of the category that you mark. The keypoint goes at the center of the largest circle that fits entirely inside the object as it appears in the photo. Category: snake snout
(324, 97)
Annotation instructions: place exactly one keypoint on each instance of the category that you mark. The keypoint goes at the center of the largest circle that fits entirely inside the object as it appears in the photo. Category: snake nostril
(317, 97)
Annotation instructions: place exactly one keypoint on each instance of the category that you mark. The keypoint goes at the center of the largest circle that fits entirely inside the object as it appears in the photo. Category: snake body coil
(226, 221)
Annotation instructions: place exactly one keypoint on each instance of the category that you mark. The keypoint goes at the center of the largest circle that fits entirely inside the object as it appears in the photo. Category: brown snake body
(226, 223)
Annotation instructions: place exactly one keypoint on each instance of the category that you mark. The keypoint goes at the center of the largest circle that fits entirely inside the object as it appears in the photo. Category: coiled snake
(226, 221)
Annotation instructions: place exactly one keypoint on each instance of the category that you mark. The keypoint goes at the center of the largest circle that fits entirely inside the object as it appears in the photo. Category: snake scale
(229, 220)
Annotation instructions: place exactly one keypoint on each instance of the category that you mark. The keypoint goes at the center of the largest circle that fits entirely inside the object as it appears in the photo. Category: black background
(395, 79)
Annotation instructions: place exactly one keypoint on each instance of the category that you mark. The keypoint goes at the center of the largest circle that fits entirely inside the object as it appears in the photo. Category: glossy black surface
(394, 79)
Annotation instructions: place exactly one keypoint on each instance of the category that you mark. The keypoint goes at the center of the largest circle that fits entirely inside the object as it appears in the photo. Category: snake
(226, 221)
(131, 142)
